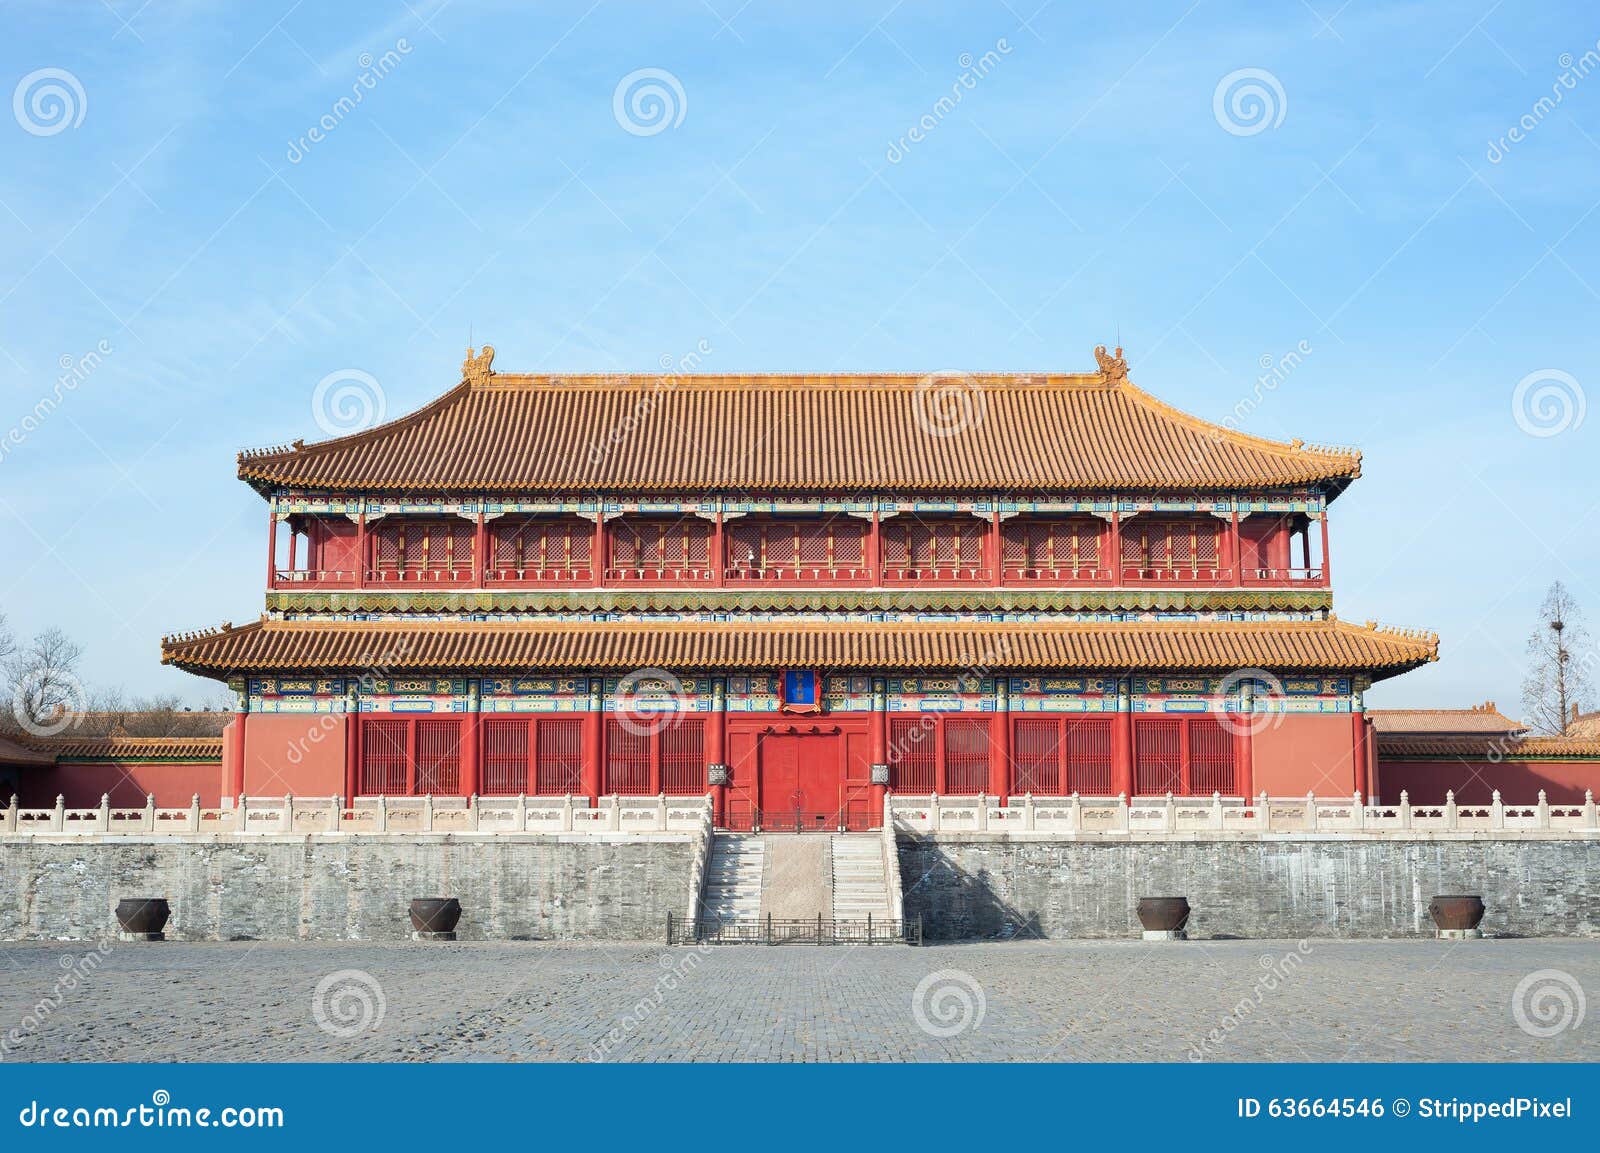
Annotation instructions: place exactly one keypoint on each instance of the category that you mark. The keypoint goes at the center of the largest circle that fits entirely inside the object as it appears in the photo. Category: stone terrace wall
(347, 888)
(990, 886)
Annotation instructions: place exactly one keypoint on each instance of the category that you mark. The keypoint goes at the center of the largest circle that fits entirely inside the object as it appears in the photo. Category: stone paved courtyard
(1025, 1001)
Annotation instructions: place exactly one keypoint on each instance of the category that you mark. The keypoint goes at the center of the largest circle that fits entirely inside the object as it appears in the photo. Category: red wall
(127, 783)
(301, 754)
(1306, 753)
(1474, 782)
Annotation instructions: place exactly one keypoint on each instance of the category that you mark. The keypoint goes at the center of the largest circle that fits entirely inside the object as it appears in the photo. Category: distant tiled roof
(67, 748)
(1587, 725)
(15, 752)
(1484, 718)
(275, 645)
(1483, 746)
(888, 432)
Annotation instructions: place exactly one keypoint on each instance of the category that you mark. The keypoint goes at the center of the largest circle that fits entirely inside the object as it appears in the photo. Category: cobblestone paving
(1059, 1001)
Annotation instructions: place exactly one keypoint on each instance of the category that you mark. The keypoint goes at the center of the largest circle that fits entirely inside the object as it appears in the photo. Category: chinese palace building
(795, 593)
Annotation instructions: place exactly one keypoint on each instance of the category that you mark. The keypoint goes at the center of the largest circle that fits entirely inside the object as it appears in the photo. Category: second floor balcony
(800, 552)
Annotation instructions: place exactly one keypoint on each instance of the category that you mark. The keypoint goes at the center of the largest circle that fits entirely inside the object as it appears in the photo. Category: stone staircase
(733, 878)
(860, 885)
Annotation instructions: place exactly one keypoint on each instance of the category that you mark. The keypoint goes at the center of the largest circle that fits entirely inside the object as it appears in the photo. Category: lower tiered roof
(555, 645)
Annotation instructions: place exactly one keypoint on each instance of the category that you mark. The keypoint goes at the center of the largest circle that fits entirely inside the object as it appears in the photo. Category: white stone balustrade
(1196, 817)
(284, 816)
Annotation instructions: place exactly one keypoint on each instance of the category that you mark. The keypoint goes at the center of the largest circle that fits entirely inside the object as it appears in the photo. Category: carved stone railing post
(1450, 814)
(427, 813)
(383, 813)
(1216, 810)
(566, 813)
(335, 812)
(149, 812)
(1030, 820)
(522, 813)
(11, 815)
(1591, 815)
(661, 815)
(983, 812)
(1359, 809)
(1497, 811)
(1123, 811)
(194, 813)
(1544, 810)
(102, 820)
(933, 812)
(1405, 809)
(241, 815)
(1264, 811)
(472, 813)
(286, 822)
(615, 822)
(1311, 812)
(1169, 819)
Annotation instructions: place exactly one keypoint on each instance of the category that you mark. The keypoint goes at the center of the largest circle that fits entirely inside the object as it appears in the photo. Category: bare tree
(1558, 675)
(44, 681)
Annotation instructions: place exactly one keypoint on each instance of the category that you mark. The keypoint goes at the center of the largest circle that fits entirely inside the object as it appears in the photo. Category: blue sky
(1089, 183)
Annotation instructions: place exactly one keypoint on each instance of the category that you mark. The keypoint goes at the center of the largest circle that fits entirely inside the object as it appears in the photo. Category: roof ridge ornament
(477, 369)
(1113, 369)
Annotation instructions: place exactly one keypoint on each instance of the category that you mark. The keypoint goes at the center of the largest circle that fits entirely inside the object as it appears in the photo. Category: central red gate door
(800, 779)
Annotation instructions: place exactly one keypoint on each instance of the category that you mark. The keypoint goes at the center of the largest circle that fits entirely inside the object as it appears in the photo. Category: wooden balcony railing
(901, 575)
(459, 575)
(504, 577)
(658, 575)
(823, 575)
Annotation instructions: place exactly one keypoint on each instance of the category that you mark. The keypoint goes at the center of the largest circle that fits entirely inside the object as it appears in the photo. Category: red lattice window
(759, 545)
(438, 757)
(1181, 545)
(1073, 543)
(558, 769)
(912, 748)
(1036, 756)
(1210, 757)
(653, 546)
(966, 755)
(531, 544)
(383, 758)
(505, 756)
(627, 760)
(920, 544)
(1088, 747)
(1158, 756)
(683, 766)
(417, 544)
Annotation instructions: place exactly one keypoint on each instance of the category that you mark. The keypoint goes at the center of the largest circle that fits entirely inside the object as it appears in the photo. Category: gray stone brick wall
(987, 886)
(346, 888)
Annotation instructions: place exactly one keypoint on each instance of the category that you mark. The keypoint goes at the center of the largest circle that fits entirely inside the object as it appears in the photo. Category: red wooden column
(361, 548)
(719, 553)
(593, 733)
(1122, 739)
(1278, 543)
(1000, 740)
(272, 545)
(1116, 549)
(1244, 742)
(717, 743)
(996, 557)
(1326, 582)
(352, 740)
(1374, 779)
(236, 752)
(1358, 737)
(480, 554)
(471, 757)
(294, 548)
(1235, 548)
(875, 550)
(878, 742)
(597, 546)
